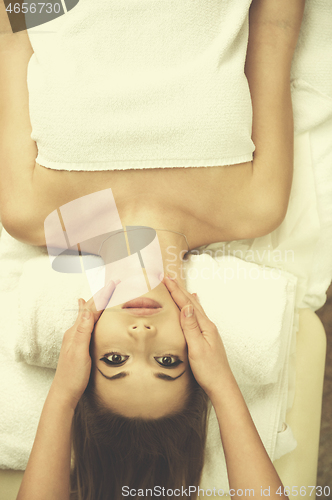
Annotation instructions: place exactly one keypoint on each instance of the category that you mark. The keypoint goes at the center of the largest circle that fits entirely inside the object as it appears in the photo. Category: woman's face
(140, 362)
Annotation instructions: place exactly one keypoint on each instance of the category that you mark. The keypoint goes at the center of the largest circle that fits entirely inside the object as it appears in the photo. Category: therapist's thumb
(84, 323)
(189, 324)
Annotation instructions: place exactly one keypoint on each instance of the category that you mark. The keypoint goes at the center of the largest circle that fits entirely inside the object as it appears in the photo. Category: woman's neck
(141, 275)
(170, 229)
(173, 249)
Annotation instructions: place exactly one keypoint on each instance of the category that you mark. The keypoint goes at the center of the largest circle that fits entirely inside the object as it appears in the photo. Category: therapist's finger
(190, 327)
(181, 296)
(82, 329)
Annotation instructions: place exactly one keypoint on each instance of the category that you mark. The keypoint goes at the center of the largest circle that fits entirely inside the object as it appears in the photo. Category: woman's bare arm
(274, 30)
(249, 467)
(273, 34)
(17, 150)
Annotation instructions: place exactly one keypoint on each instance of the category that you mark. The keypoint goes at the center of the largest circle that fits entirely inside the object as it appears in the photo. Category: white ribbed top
(117, 84)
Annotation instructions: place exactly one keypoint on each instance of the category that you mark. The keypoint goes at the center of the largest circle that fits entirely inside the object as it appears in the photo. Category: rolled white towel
(247, 303)
(47, 307)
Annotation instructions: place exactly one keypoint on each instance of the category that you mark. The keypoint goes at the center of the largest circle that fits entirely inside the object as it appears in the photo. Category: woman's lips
(141, 311)
(142, 306)
(142, 302)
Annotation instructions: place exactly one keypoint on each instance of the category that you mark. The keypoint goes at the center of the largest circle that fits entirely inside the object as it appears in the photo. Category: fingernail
(171, 278)
(188, 311)
(86, 314)
(194, 294)
(117, 282)
(161, 276)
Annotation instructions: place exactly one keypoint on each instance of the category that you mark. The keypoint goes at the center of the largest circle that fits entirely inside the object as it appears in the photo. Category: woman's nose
(142, 328)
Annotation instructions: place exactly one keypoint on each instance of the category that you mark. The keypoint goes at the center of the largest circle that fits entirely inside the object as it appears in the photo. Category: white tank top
(118, 84)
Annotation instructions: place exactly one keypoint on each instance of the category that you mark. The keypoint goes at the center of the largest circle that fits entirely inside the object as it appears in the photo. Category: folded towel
(253, 337)
(23, 390)
(47, 307)
(148, 84)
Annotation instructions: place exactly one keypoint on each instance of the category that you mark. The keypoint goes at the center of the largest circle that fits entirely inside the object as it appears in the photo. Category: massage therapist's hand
(206, 351)
(74, 365)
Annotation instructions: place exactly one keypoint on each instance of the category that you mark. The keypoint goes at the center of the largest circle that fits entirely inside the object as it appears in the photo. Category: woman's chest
(179, 199)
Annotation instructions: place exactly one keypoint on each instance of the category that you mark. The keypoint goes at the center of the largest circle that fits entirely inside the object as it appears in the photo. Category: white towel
(247, 303)
(47, 307)
(312, 104)
(148, 84)
(313, 112)
(23, 388)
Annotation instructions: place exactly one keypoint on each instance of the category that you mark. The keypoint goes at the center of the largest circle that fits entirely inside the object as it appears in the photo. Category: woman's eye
(114, 359)
(168, 361)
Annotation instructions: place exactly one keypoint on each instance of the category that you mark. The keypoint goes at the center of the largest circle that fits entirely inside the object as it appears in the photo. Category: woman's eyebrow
(114, 377)
(162, 376)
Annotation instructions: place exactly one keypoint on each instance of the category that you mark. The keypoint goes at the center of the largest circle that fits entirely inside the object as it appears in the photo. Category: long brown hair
(111, 451)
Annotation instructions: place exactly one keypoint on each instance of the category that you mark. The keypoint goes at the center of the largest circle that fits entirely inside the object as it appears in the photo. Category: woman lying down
(131, 390)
